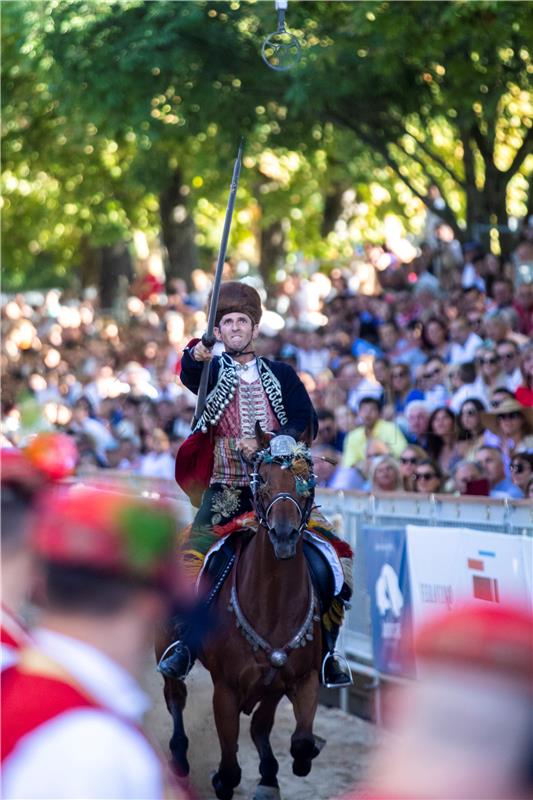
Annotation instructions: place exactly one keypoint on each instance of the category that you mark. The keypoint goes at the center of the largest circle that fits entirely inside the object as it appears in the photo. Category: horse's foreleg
(226, 712)
(303, 746)
(176, 696)
(262, 722)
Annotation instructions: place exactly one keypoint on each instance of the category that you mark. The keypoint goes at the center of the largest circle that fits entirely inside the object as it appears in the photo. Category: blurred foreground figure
(464, 731)
(71, 705)
(24, 474)
(20, 484)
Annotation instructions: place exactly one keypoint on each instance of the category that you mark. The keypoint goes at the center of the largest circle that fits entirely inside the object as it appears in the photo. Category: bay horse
(267, 643)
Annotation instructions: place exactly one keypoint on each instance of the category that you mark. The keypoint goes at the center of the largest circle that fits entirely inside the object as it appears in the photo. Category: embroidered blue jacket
(285, 391)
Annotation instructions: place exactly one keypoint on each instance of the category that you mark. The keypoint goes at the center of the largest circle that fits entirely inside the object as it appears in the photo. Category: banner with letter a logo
(387, 572)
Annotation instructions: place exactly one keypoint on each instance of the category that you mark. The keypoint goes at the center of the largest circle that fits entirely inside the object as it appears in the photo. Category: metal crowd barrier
(351, 510)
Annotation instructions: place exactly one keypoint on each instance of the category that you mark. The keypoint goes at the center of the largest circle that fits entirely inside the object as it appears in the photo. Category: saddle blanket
(327, 550)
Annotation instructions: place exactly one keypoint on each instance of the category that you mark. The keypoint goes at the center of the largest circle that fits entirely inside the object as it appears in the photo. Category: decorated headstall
(291, 455)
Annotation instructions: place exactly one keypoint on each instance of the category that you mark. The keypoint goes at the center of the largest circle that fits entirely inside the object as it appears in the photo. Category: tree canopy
(125, 116)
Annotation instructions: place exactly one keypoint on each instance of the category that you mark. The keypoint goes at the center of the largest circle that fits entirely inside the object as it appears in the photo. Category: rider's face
(236, 331)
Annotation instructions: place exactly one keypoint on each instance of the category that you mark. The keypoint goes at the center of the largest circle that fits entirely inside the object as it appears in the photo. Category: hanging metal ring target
(281, 50)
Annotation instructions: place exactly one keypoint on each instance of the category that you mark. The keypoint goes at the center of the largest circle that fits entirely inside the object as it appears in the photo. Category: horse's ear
(307, 436)
(263, 437)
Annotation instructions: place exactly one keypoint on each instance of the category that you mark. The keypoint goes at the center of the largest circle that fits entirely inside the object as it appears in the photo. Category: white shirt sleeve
(83, 755)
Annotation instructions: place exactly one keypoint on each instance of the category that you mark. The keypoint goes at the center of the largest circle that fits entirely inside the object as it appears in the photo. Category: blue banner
(387, 575)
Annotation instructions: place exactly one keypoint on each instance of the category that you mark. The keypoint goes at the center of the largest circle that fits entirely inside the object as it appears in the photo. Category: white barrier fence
(351, 511)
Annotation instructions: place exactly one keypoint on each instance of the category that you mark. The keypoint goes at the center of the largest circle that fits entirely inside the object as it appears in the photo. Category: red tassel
(342, 548)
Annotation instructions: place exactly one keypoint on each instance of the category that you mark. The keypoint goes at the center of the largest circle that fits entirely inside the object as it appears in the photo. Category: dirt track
(340, 765)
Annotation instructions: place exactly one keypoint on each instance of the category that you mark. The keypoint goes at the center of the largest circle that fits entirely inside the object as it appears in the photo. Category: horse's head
(283, 487)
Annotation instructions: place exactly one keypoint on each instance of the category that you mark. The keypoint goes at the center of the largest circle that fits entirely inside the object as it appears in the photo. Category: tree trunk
(88, 271)
(177, 230)
(333, 207)
(272, 251)
(116, 272)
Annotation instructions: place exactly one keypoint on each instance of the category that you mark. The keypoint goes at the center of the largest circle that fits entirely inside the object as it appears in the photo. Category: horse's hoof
(180, 767)
(222, 791)
(266, 793)
(302, 768)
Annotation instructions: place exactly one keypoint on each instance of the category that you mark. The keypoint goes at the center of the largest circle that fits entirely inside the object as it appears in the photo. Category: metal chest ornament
(281, 50)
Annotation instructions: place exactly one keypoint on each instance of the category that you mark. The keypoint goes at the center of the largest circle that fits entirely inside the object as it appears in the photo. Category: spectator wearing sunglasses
(471, 430)
(521, 468)
(428, 478)
(489, 373)
(499, 394)
(433, 382)
(509, 355)
(491, 461)
(409, 460)
(524, 393)
(465, 342)
(513, 424)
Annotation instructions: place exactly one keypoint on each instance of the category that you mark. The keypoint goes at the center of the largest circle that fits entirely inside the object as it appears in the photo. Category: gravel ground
(340, 765)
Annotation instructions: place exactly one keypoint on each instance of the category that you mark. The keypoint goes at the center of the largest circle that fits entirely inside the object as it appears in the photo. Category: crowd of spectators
(422, 376)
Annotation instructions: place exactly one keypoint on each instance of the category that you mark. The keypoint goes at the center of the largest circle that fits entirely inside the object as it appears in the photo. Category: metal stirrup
(174, 644)
(345, 666)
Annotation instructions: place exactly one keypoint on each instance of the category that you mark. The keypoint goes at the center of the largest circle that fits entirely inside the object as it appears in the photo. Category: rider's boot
(179, 657)
(335, 669)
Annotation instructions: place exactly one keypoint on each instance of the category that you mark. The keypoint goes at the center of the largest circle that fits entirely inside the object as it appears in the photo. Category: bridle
(285, 454)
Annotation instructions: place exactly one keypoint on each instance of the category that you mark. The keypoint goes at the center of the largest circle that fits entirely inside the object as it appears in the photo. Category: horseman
(243, 389)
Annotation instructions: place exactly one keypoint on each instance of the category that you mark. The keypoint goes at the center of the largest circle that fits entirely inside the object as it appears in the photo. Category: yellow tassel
(334, 615)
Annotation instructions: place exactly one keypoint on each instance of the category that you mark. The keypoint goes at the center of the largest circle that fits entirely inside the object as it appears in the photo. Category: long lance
(208, 339)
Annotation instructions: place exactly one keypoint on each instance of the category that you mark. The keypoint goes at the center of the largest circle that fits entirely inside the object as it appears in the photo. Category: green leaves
(103, 101)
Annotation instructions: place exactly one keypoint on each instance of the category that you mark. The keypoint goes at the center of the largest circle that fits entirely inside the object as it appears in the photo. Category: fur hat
(236, 296)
